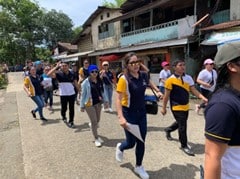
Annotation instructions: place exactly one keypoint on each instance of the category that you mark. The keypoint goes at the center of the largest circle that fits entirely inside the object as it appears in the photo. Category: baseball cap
(226, 53)
(105, 63)
(92, 67)
(208, 61)
(164, 63)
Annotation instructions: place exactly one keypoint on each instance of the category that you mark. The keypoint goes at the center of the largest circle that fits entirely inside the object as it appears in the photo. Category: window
(101, 17)
(105, 31)
(108, 14)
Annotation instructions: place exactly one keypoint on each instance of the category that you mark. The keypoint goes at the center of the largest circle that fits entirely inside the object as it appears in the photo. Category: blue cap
(92, 67)
(37, 62)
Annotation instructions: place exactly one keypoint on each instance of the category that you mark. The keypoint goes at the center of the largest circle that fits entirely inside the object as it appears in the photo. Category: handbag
(151, 103)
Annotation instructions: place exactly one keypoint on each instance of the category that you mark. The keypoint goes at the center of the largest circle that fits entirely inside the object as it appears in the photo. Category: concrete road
(33, 149)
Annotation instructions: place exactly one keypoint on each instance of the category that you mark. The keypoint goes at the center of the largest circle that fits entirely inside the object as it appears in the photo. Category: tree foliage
(25, 28)
(115, 4)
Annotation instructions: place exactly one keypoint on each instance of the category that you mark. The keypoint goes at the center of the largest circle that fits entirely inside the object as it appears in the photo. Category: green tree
(25, 27)
(115, 4)
(57, 27)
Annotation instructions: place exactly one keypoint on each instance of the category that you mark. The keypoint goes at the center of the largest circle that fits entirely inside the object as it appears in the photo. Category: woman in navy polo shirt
(131, 109)
(222, 114)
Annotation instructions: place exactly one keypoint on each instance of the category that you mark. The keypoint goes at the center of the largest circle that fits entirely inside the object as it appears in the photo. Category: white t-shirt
(208, 77)
(164, 74)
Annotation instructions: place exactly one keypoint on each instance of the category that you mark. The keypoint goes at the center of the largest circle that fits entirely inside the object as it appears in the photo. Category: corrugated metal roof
(221, 26)
(144, 46)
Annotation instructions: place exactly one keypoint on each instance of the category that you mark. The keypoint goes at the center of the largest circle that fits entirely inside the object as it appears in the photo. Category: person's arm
(26, 86)
(144, 68)
(54, 69)
(201, 82)
(155, 88)
(122, 120)
(213, 155)
(198, 94)
(165, 100)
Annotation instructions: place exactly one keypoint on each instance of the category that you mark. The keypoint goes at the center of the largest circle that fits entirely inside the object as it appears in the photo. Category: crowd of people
(92, 88)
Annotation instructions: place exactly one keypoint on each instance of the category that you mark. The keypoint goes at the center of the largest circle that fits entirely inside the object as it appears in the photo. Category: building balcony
(171, 30)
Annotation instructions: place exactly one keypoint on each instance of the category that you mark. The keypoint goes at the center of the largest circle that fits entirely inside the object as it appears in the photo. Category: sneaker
(64, 119)
(187, 151)
(197, 108)
(100, 140)
(43, 119)
(119, 153)
(33, 113)
(98, 143)
(110, 110)
(105, 110)
(90, 125)
(168, 135)
(71, 125)
(141, 172)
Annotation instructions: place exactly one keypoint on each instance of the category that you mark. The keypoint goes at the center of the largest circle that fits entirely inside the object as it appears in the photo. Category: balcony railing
(166, 31)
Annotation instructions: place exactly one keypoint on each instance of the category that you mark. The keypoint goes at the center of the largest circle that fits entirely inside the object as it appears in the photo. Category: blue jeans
(48, 95)
(108, 92)
(139, 118)
(40, 104)
(162, 89)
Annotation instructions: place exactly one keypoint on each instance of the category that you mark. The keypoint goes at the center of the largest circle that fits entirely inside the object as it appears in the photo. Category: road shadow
(56, 103)
(110, 142)
(176, 171)
(50, 121)
(83, 127)
(171, 172)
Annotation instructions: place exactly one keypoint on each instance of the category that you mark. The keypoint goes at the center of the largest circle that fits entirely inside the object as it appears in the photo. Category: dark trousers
(138, 118)
(205, 93)
(48, 95)
(180, 124)
(65, 100)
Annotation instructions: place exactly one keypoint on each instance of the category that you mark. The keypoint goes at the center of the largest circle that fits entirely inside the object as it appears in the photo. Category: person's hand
(29, 94)
(123, 122)
(163, 111)
(159, 95)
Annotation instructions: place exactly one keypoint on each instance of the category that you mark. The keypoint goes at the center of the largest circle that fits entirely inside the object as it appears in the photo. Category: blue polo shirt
(222, 116)
(133, 90)
(108, 78)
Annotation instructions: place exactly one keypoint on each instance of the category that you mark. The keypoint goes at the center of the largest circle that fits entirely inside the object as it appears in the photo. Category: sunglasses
(94, 71)
(134, 63)
(105, 65)
(210, 64)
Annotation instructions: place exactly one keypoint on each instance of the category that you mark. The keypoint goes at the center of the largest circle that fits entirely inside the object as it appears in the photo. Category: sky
(77, 10)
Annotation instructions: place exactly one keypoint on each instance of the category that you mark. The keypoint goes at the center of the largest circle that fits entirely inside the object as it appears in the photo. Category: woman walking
(131, 109)
(222, 128)
(33, 88)
(91, 100)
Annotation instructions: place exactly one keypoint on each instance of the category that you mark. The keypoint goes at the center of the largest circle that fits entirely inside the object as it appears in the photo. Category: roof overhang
(74, 57)
(145, 46)
(219, 38)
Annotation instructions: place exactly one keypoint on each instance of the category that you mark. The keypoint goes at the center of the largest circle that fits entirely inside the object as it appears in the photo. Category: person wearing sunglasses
(222, 116)
(131, 108)
(92, 99)
(107, 77)
(207, 81)
(33, 88)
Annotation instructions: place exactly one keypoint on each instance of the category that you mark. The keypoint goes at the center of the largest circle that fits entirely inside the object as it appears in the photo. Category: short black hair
(175, 62)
